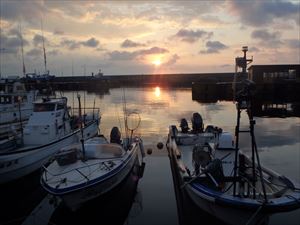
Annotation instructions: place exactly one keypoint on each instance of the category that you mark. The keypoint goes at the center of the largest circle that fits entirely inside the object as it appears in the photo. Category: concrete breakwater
(163, 80)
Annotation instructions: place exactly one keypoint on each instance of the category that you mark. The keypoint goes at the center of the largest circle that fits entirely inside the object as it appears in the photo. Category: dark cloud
(37, 40)
(92, 42)
(261, 13)
(192, 36)
(267, 38)
(213, 47)
(153, 50)
(293, 43)
(72, 44)
(122, 55)
(35, 53)
(125, 55)
(253, 49)
(11, 44)
(28, 11)
(131, 44)
(54, 52)
(14, 32)
(172, 60)
(58, 32)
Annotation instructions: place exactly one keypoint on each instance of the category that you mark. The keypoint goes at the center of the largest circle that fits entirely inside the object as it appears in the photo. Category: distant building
(262, 74)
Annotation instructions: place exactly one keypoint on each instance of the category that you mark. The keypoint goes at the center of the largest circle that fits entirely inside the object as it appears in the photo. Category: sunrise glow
(157, 62)
(147, 37)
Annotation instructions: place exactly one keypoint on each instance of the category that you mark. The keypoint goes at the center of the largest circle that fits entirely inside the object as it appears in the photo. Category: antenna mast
(240, 63)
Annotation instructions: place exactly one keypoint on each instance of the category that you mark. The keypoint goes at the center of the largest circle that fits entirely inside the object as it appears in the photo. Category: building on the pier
(262, 74)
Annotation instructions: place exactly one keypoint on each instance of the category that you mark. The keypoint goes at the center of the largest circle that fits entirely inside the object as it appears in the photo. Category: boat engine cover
(201, 156)
(115, 135)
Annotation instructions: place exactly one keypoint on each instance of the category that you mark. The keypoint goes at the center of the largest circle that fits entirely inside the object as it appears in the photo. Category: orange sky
(144, 37)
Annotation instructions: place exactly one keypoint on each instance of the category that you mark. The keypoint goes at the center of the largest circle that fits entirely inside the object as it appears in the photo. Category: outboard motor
(115, 135)
(201, 157)
(184, 125)
(197, 123)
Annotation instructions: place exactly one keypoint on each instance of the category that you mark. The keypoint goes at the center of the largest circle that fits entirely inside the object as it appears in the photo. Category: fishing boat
(16, 103)
(49, 128)
(223, 181)
(220, 178)
(83, 172)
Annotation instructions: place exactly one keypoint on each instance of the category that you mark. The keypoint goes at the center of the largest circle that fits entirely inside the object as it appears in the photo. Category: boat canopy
(103, 151)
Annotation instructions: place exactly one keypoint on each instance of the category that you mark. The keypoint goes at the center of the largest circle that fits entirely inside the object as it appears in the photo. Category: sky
(145, 37)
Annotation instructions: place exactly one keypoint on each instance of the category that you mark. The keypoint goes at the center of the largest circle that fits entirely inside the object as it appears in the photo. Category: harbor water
(152, 199)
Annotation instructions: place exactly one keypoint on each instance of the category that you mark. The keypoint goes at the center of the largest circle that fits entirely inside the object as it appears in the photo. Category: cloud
(92, 42)
(58, 32)
(131, 44)
(267, 38)
(172, 60)
(35, 53)
(38, 39)
(192, 36)
(153, 50)
(29, 11)
(121, 55)
(70, 44)
(293, 43)
(54, 52)
(261, 13)
(11, 44)
(254, 49)
(213, 47)
(14, 32)
(125, 55)
(73, 44)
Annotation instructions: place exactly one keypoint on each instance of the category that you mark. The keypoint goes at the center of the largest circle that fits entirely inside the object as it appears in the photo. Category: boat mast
(22, 51)
(44, 50)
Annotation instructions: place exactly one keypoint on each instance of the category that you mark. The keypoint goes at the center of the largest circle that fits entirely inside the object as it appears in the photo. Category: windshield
(44, 107)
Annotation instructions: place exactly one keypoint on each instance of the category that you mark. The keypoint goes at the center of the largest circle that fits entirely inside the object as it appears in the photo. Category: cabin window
(44, 107)
(60, 106)
(5, 100)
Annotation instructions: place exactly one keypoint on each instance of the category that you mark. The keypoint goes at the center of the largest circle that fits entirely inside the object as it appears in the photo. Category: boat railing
(86, 111)
(46, 171)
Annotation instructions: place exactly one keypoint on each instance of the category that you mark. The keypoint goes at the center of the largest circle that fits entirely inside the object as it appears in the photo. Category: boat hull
(74, 198)
(208, 196)
(227, 214)
(14, 165)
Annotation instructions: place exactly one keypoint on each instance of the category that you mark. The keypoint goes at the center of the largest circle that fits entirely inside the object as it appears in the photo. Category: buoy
(160, 145)
(149, 151)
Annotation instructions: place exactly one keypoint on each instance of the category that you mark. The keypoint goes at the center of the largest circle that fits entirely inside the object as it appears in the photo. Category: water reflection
(278, 140)
(157, 92)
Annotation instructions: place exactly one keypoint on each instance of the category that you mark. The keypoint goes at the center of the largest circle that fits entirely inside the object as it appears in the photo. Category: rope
(253, 217)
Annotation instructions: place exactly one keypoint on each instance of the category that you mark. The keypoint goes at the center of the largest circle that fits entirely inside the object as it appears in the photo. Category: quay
(115, 81)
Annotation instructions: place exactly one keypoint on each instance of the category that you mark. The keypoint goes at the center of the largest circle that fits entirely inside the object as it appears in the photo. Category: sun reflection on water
(157, 92)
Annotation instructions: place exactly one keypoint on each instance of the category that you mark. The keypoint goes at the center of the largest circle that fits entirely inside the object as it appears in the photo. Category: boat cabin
(49, 121)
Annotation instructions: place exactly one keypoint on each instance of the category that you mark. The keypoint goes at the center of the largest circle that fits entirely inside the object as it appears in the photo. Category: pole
(81, 129)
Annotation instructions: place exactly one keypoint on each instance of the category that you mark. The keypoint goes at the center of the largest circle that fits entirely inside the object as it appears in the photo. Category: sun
(156, 62)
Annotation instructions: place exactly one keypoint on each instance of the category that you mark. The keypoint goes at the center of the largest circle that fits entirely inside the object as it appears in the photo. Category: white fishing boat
(16, 103)
(83, 172)
(49, 128)
(223, 181)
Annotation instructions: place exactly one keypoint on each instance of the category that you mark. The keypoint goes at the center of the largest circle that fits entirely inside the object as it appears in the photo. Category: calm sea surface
(278, 140)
